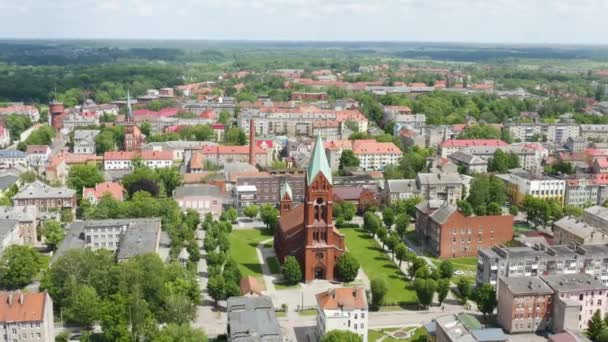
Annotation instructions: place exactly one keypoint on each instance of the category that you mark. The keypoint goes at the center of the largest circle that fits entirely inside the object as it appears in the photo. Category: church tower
(324, 244)
(286, 200)
(133, 138)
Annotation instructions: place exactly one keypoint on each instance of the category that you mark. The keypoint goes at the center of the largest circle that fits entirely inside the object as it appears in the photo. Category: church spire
(129, 110)
(318, 163)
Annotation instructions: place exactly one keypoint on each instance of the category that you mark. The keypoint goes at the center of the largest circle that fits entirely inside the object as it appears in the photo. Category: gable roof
(345, 298)
(22, 307)
(318, 163)
(286, 189)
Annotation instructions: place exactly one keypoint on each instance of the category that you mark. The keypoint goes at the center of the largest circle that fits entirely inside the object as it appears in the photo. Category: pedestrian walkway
(263, 254)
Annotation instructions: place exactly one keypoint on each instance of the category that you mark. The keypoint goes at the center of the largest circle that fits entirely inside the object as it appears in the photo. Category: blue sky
(500, 21)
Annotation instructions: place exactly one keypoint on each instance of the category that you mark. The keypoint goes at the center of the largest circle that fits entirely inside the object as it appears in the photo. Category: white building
(372, 155)
(5, 137)
(113, 161)
(37, 155)
(520, 183)
(26, 317)
(558, 132)
(12, 158)
(84, 141)
(343, 309)
(9, 234)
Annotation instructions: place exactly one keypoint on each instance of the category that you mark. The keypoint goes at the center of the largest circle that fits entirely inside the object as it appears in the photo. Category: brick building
(524, 304)
(447, 233)
(306, 231)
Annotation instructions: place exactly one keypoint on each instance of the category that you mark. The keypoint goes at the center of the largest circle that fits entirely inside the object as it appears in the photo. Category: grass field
(243, 245)
(376, 335)
(376, 264)
(522, 227)
(308, 312)
(467, 264)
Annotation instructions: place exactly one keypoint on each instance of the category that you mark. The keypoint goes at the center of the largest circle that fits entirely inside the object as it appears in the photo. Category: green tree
(415, 265)
(17, 124)
(425, 290)
(170, 178)
(180, 332)
(224, 118)
(382, 234)
(388, 216)
(595, 326)
(570, 210)
(82, 307)
(251, 211)
(401, 253)
(422, 272)
(371, 223)
(464, 288)
(142, 178)
(66, 215)
(230, 215)
(348, 211)
(42, 136)
(84, 176)
(379, 288)
(480, 132)
(443, 288)
(348, 159)
(18, 266)
(447, 269)
(52, 233)
(485, 298)
(270, 216)
(292, 273)
(216, 287)
(235, 136)
(494, 209)
(145, 128)
(341, 336)
(347, 267)
(402, 222)
(465, 207)
(513, 210)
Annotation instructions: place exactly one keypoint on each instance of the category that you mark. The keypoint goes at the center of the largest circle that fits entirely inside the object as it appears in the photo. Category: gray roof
(489, 335)
(6, 181)
(6, 226)
(37, 189)
(252, 319)
(466, 158)
(402, 185)
(526, 285)
(142, 237)
(20, 213)
(196, 190)
(573, 282)
(443, 213)
(575, 226)
(74, 239)
(12, 154)
(86, 134)
(440, 178)
(598, 211)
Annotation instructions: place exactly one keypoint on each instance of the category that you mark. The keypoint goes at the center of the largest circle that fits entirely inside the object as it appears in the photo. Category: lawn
(522, 227)
(376, 335)
(463, 263)
(376, 264)
(243, 245)
(308, 312)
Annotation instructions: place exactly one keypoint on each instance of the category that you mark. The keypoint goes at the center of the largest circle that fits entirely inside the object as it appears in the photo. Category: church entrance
(319, 272)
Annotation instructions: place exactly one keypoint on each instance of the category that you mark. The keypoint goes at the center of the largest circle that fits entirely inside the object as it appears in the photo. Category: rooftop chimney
(251, 142)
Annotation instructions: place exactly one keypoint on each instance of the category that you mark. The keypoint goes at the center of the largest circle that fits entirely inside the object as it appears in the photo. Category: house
(252, 319)
(203, 198)
(20, 109)
(590, 229)
(93, 195)
(9, 234)
(12, 158)
(524, 304)
(5, 136)
(454, 145)
(470, 163)
(84, 141)
(27, 220)
(445, 186)
(463, 327)
(600, 165)
(447, 233)
(45, 197)
(306, 231)
(577, 297)
(123, 160)
(37, 155)
(343, 309)
(26, 317)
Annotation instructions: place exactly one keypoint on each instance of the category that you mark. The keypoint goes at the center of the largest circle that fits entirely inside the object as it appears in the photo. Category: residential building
(252, 319)
(553, 132)
(583, 191)
(5, 136)
(463, 327)
(591, 229)
(594, 132)
(500, 261)
(245, 195)
(37, 155)
(343, 309)
(445, 186)
(27, 220)
(180, 149)
(372, 155)
(75, 120)
(45, 197)
(408, 121)
(469, 163)
(12, 158)
(328, 130)
(600, 165)
(10, 234)
(21, 109)
(26, 317)
(225, 154)
(400, 189)
(363, 197)
(296, 121)
(94, 194)
(577, 298)
(84, 141)
(447, 233)
(204, 198)
(307, 231)
(127, 238)
(454, 145)
(524, 304)
(520, 183)
(123, 160)
(267, 187)
(577, 144)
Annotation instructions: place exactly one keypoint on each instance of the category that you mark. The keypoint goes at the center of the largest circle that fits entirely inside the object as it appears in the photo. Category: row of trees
(128, 299)
(486, 197)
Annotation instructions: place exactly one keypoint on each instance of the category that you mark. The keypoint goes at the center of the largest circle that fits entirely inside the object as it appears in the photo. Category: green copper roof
(285, 188)
(318, 162)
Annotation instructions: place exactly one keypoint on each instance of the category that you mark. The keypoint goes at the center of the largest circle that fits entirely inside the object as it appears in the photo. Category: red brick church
(306, 231)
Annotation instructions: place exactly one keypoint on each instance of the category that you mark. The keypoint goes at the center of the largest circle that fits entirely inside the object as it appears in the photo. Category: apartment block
(524, 304)
(520, 183)
(554, 132)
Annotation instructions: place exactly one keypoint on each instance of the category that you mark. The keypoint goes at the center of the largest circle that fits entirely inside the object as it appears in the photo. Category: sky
(487, 21)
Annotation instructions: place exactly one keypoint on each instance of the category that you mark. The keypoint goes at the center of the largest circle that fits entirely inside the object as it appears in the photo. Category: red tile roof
(145, 155)
(37, 149)
(114, 189)
(250, 285)
(346, 298)
(22, 307)
(370, 146)
(473, 142)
